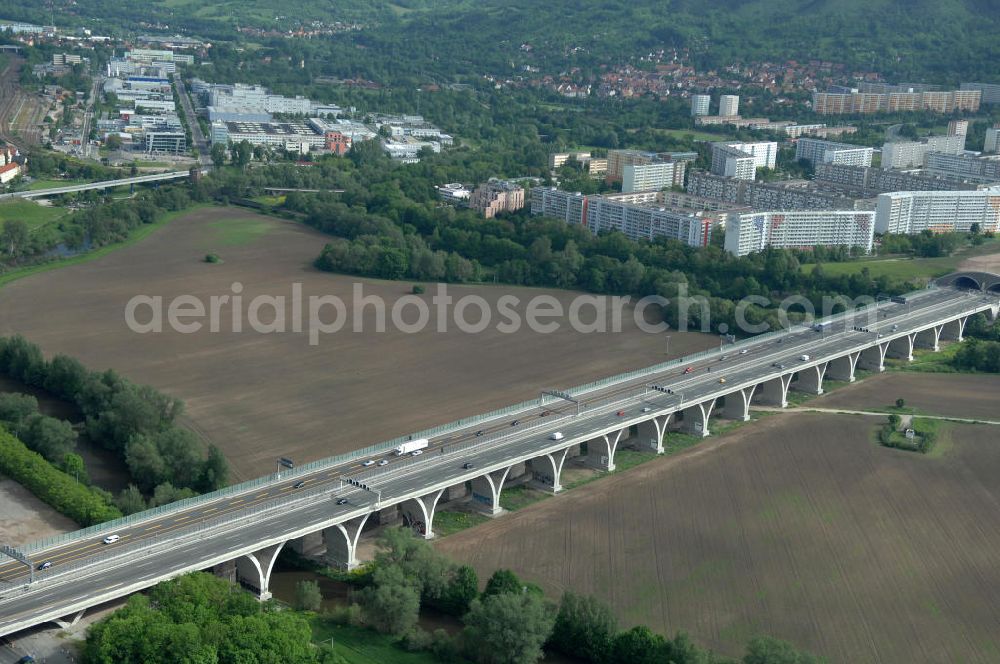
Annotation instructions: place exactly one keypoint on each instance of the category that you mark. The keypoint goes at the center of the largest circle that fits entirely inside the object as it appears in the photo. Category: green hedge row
(83, 504)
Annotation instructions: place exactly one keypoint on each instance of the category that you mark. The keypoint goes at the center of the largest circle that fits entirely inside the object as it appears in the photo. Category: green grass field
(364, 646)
(694, 133)
(908, 268)
(239, 231)
(33, 214)
(447, 522)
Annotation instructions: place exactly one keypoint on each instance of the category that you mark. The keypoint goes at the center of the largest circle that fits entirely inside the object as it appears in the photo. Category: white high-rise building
(911, 212)
(909, 154)
(799, 229)
(642, 222)
(992, 142)
(828, 152)
(729, 105)
(741, 160)
(958, 128)
(700, 104)
(652, 177)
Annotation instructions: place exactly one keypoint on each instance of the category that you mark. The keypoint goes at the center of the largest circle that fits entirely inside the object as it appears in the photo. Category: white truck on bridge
(412, 446)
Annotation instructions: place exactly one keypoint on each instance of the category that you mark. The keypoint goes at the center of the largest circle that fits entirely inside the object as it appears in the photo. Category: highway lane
(692, 386)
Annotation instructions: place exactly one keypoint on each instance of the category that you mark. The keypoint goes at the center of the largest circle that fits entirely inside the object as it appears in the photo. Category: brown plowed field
(951, 395)
(261, 396)
(796, 526)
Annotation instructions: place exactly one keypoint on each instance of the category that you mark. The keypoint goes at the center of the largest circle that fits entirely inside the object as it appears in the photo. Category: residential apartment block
(870, 181)
(967, 167)
(817, 151)
(653, 177)
(741, 160)
(910, 212)
(992, 142)
(645, 222)
(799, 229)
(990, 91)
(856, 102)
(958, 128)
(793, 195)
(495, 196)
(912, 154)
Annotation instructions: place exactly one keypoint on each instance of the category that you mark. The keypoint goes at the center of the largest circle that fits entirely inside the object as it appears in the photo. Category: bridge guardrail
(357, 455)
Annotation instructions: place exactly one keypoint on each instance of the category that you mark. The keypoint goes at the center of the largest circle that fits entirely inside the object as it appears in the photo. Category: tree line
(136, 422)
(511, 621)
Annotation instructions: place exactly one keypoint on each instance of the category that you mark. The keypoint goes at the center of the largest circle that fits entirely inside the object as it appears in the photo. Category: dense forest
(422, 40)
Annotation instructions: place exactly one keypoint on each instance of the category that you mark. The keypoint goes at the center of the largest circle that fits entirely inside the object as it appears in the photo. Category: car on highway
(722, 381)
(620, 413)
(480, 433)
(467, 465)
(515, 423)
(723, 358)
(778, 365)
(804, 358)
(689, 370)
(342, 501)
(556, 435)
(368, 463)
(646, 409)
(47, 564)
(383, 462)
(299, 484)
(743, 352)
(111, 539)
(546, 413)
(416, 452)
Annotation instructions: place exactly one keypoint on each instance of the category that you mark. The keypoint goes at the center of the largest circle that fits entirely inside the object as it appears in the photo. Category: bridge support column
(456, 492)
(254, 569)
(873, 359)
(842, 368)
(486, 491)
(307, 544)
(901, 348)
(601, 450)
(226, 570)
(69, 621)
(342, 542)
(774, 392)
(737, 406)
(696, 418)
(651, 432)
(953, 330)
(546, 470)
(419, 512)
(929, 338)
(810, 380)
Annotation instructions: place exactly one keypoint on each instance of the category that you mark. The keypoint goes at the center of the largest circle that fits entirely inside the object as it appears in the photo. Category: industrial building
(799, 229)
(911, 212)
(817, 151)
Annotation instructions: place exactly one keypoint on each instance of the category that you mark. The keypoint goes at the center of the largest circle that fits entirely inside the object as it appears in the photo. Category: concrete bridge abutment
(901, 348)
(70, 620)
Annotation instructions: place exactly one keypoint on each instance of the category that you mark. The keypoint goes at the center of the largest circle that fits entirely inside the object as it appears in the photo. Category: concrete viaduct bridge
(103, 184)
(323, 508)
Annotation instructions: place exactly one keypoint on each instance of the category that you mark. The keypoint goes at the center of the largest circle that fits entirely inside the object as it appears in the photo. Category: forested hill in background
(926, 40)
